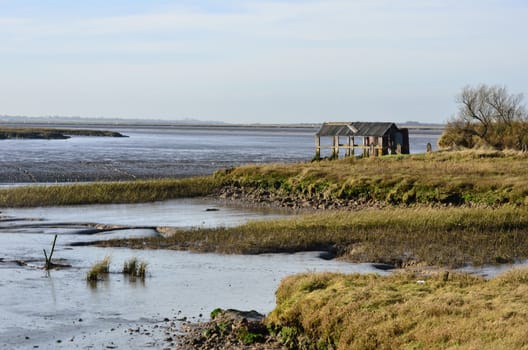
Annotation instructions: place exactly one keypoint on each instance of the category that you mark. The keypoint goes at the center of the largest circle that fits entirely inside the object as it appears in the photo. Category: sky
(253, 61)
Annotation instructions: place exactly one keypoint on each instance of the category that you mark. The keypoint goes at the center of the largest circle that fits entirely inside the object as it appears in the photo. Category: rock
(383, 267)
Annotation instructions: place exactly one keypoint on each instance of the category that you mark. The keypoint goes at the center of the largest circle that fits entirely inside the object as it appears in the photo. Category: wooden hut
(370, 138)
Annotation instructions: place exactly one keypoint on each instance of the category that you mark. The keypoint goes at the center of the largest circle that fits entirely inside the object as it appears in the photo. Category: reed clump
(135, 268)
(98, 270)
(402, 310)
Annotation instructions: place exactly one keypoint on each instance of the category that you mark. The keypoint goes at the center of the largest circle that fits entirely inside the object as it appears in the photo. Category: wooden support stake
(48, 259)
(317, 147)
(335, 153)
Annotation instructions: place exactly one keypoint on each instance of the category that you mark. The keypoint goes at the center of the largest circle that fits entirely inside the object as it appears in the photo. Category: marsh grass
(98, 270)
(449, 237)
(135, 268)
(489, 178)
(485, 177)
(106, 192)
(336, 311)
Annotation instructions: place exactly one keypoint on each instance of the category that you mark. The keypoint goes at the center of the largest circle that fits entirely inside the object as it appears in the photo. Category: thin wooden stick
(52, 248)
(48, 260)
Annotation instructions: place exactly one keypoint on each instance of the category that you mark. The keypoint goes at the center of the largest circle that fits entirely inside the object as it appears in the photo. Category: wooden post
(348, 146)
(48, 259)
(317, 147)
(335, 151)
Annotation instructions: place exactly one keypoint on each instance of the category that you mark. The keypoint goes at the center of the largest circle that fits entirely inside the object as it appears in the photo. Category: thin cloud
(204, 57)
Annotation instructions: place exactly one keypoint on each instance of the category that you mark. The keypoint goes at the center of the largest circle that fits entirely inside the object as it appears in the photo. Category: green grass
(476, 178)
(106, 192)
(342, 312)
(401, 236)
(489, 226)
(449, 178)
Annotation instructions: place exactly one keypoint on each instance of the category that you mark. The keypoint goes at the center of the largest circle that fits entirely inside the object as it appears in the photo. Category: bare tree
(490, 115)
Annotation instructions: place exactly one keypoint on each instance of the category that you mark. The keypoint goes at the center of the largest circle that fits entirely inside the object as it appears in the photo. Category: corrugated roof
(354, 129)
(337, 129)
(372, 129)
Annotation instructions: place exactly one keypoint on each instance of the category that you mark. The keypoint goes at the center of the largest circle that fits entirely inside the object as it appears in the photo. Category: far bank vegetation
(488, 116)
(52, 133)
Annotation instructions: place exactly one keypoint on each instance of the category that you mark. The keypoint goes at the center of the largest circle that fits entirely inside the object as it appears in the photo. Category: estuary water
(60, 310)
(162, 151)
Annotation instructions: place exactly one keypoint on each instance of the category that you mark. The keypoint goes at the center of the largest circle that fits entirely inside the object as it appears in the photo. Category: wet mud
(59, 309)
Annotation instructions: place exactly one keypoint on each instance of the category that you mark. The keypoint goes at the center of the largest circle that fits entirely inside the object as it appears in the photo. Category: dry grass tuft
(98, 270)
(135, 268)
(336, 311)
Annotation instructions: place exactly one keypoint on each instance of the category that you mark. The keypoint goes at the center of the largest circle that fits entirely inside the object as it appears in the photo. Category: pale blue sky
(247, 61)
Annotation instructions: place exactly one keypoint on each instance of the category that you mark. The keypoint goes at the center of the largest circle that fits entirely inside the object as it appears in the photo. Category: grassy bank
(106, 192)
(470, 177)
(443, 237)
(485, 178)
(402, 311)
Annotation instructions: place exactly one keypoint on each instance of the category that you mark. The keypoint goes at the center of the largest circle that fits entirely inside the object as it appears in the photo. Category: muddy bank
(259, 197)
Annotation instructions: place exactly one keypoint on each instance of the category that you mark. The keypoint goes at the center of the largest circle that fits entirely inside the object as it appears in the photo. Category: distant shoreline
(182, 124)
(38, 133)
(186, 150)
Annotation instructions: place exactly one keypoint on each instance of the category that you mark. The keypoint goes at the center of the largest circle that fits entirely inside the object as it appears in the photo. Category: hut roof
(372, 129)
(337, 129)
(354, 129)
